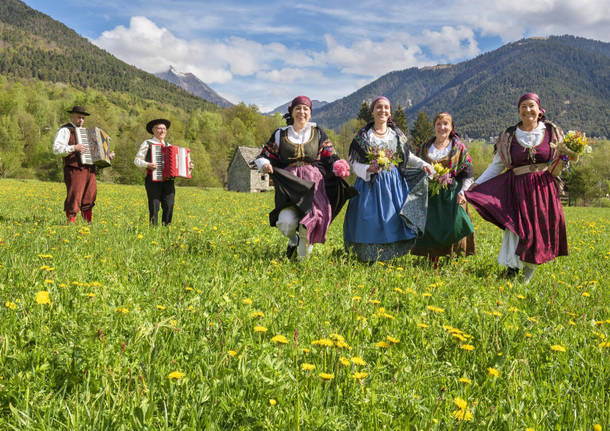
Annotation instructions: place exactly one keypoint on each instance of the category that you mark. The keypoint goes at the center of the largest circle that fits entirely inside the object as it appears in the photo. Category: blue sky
(267, 52)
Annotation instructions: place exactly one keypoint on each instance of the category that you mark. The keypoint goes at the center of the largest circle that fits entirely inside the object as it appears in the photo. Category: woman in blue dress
(374, 228)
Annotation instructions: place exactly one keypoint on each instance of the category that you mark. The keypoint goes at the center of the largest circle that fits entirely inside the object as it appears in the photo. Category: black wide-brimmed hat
(78, 110)
(153, 123)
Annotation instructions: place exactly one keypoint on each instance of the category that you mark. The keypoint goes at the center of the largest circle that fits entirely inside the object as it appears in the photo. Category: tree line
(31, 111)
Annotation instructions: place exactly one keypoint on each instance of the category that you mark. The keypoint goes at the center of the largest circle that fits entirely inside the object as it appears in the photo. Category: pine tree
(421, 131)
(365, 113)
(399, 118)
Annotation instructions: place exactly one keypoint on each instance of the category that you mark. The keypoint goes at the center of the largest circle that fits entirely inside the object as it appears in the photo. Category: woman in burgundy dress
(524, 200)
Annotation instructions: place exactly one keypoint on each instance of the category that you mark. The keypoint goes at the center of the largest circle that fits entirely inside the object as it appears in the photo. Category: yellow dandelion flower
(558, 348)
(520, 297)
(140, 236)
(426, 294)
(326, 342)
(399, 290)
(344, 361)
(326, 376)
(356, 298)
(342, 345)
(257, 314)
(392, 339)
(530, 429)
(465, 380)
(260, 329)
(122, 310)
(307, 367)
(597, 427)
(272, 402)
(176, 375)
(528, 335)
(42, 297)
(388, 316)
(435, 309)
(247, 301)
(279, 339)
(382, 344)
(422, 325)
(360, 375)
(468, 347)
(49, 282)
(160, 307)
(357, 360)
(90, 295)
(188, 289)
(461, 403)
(375, 301)
(458, 336)
(11, 305)
(232, 352)
(462, 415)
(493, 372)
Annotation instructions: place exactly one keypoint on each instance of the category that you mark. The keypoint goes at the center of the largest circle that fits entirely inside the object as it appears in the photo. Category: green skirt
(446, 221)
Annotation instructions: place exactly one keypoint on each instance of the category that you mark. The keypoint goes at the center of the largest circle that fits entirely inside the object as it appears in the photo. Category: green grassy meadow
(205, 325)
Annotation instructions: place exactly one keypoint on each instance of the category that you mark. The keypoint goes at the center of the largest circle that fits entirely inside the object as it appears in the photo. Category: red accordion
(171, 161)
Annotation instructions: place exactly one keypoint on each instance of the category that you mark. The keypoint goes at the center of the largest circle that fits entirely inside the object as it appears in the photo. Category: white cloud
(369, 58)
(452, 43)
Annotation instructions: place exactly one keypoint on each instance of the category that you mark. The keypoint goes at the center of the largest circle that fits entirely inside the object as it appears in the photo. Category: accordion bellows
(172, 161)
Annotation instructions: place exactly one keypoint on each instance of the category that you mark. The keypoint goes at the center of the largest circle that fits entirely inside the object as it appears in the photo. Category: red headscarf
(535, 98)
(299, 100)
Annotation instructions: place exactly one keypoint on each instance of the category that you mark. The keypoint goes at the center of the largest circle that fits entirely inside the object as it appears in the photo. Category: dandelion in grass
(392, 340)
(586, 294)
(356, 298)
(259, 328)
(357, 360)
(272, 402)
(307, 367)
(122, 310)
(462, 413)
(399, 290)
(360, 375)
(492, 372)
(530, 429)
(43, 297)
(161, 307)
(279, 339)
(176, 375)
(467, 347)
(326, 376)
(232, 353)
(257, 314)
(558, 348)
(326, 342)
(382, 344)
(90, 295)
(465, 380)
(597, 427)
(247, 301)
(435, 309)
(10, 305)
(422, 325)
(344, 361)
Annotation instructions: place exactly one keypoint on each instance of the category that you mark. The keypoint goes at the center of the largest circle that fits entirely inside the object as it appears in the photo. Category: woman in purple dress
(307, 176)
(524, 200)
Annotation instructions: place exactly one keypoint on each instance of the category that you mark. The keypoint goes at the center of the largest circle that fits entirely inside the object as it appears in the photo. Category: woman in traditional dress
(307, 175)
(524, 200)
(374, 228)
(449, 230)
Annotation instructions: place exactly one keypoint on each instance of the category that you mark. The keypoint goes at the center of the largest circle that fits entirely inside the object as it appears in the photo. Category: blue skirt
(373, 217)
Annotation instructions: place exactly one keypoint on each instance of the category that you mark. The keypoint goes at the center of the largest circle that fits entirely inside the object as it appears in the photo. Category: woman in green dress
(449, 230)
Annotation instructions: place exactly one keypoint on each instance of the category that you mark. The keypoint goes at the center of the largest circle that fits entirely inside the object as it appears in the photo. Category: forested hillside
(572, 76)
(33, 45)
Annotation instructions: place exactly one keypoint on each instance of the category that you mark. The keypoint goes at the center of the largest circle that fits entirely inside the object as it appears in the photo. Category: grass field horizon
(205, 325)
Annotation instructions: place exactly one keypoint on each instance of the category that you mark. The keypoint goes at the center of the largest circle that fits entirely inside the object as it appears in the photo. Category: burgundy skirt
(318, 219)
(529, 206)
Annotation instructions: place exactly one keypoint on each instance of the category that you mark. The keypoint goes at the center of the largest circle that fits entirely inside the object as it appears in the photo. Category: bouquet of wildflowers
(574, 145)
(383, 158)
(442, 179)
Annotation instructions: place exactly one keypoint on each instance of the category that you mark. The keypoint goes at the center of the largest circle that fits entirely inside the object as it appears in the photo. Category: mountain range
(193, 85)
(571, 75)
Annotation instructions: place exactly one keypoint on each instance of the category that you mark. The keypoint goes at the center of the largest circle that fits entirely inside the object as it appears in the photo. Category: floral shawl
(460, 161)
(360, 147)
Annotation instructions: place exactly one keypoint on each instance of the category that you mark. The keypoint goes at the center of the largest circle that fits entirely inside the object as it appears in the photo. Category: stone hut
(242, 175)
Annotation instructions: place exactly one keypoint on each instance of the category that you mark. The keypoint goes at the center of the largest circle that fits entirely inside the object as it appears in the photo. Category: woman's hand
(472, 186)
(461, 200)
(267, 169)
(429, 170)
(372, 169)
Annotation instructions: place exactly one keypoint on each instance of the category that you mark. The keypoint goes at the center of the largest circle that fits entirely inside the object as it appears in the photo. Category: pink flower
(445, 179)
(341, 168)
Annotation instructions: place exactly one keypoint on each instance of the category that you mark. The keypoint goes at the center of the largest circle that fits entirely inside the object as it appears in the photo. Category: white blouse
(140, 160)
(60, 143)
(297, 138)
(389, 140)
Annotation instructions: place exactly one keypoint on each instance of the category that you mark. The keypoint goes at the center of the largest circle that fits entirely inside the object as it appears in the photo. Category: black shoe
(292, 248)
(512, 273)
